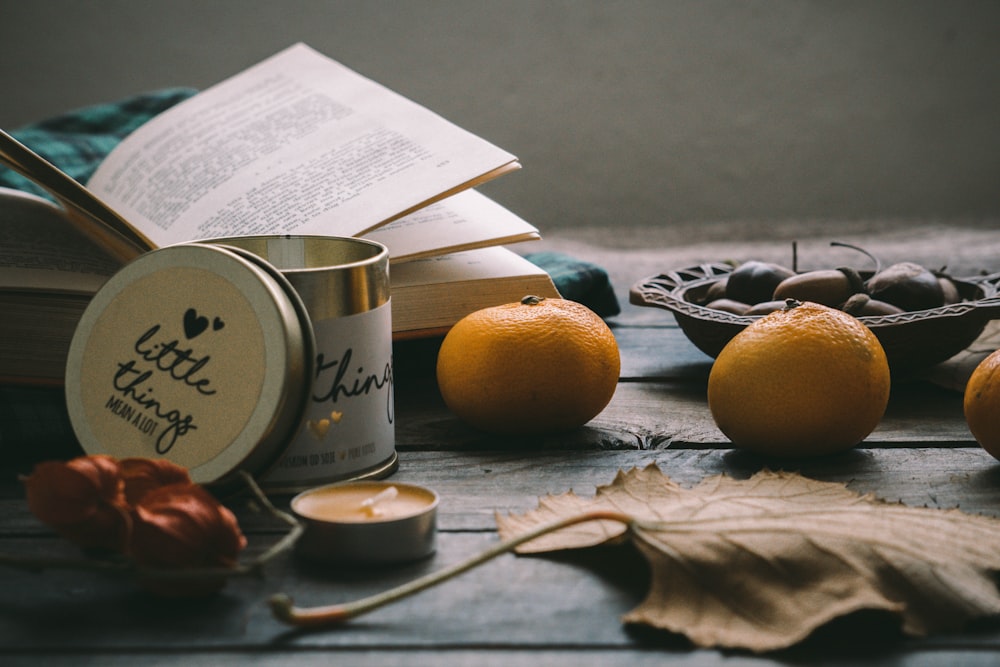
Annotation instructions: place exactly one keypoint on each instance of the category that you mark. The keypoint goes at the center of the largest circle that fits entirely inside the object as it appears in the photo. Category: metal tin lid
(199, 354)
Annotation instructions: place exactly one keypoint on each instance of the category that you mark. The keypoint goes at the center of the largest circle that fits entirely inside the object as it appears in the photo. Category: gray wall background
(623, 112)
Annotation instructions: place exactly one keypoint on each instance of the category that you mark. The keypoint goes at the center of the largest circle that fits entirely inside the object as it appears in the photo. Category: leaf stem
(283, 607)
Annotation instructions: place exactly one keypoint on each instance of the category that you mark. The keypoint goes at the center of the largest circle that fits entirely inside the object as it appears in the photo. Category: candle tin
(339, 529)
(206, 354)
(198, 354)
(348, 429)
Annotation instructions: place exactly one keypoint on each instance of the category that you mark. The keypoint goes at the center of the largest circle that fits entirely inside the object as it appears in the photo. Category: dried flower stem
(283, 608)
(286, 542)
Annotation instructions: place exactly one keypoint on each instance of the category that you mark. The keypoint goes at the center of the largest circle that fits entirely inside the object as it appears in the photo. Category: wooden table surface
(513, 610)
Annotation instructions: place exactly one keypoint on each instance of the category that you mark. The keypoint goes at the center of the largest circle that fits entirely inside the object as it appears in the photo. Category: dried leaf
(760, 564)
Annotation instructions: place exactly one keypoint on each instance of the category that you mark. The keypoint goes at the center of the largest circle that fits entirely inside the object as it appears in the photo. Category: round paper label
(172, 367)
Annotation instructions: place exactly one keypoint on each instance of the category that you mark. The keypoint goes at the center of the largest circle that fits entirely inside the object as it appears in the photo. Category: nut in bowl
(912, 340)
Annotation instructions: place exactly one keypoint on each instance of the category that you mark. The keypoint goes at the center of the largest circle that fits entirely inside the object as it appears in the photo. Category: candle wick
(368, 505)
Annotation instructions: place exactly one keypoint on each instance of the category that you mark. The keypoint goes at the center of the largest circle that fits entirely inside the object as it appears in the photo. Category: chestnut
(949, 290)
(829, 287)
(717, 290)
(729, 306)
(907, 285)
(754, 281)
(862, 305)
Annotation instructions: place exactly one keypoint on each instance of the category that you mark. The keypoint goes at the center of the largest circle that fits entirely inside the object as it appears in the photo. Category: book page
(430, 295)
(295, 144)
(464, 221)
(42, 252)
(482, 264)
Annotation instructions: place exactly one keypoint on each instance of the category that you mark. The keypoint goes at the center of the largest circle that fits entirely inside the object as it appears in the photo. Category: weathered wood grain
(654, 414)
(493, 656)
(475, 485)
(570, 602)
(510, 601)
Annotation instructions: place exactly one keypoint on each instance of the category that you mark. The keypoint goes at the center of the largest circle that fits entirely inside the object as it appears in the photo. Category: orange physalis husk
(143, 475)
(82, 499)
(183, 526)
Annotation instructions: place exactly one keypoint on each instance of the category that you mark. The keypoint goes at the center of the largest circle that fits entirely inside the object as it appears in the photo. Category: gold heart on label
(336, 416)
(318, 428)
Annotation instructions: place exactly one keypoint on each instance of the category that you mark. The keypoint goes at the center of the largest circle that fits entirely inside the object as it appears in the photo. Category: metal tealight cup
(393, 528)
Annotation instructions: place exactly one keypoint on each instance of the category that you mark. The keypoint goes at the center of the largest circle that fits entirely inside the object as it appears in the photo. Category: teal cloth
(78, 141)
(579, 281)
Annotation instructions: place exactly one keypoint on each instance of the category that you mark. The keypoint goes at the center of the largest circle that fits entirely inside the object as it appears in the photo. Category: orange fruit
(806, 380)
(537, 366)
(982, 403)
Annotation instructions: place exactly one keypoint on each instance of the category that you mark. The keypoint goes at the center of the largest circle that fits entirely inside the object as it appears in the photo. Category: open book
(297, 144)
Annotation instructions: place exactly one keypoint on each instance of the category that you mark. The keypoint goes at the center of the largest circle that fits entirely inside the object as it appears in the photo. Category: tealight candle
(367, 522)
